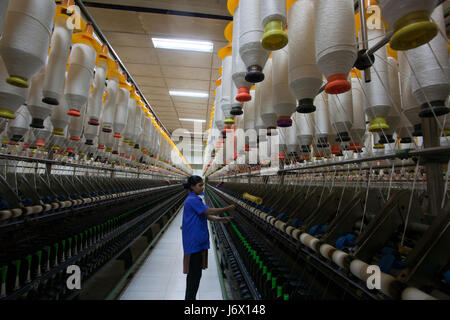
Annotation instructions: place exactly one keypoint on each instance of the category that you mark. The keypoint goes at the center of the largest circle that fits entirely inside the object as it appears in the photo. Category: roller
(38, 110)
(238, 67)
(335, 40)
(53, 87)
(273, 18)
(102, 64)
(268, 113)
(26, 37)
(410, 21)
(431, 71)
(11, 97)
(283, 101)
(327, 251)
(309, 241)
(112, 90)
(305, 79)
(359, 269)
(121, 114)
(81, 70)
(252, 198)
(250, 34)
(411, 293)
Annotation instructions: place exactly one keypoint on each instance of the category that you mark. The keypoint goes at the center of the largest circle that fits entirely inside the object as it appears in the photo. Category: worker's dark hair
(192, 181)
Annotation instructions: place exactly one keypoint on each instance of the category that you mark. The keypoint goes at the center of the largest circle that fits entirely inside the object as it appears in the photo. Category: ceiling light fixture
(180, 44)
(193, 94)
(192, 120)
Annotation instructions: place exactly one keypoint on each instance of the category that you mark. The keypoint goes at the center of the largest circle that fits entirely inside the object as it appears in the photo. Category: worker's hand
(232, 207)
(225, 219)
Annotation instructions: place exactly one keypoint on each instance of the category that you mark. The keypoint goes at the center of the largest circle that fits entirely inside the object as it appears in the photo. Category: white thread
(20, 125)
(59, 117)
(273, 10)
(227, 85)
(410, 106)
(394, 10)
(249, 113)
(26, 36)
(322, 118)
(121, 116)
(90, 132)
(305, 78)
(250, 34)
(393, 118)
(94, 108)
(291, 137)
(359, 120)
(268, 112)
(335, 36)
(36, 107)
(76, 124)
(79, 75)
(129, 128)
(238, 67)
(11, 97)
(378, 104)
(341, 111)
(109, 106)
(284, 102)
(304, 128)
(432, 82)
(57, 60)
(218, 112)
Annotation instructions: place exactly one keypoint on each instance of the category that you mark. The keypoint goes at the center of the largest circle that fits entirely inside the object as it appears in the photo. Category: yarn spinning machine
(338, 159)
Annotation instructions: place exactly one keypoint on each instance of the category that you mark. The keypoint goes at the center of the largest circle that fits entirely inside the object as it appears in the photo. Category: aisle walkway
(161, 275)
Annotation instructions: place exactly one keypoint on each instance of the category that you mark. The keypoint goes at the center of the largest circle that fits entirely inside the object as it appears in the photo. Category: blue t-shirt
(195, 225)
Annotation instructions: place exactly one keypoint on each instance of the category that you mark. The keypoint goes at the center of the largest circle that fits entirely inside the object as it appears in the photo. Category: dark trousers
(194, 275)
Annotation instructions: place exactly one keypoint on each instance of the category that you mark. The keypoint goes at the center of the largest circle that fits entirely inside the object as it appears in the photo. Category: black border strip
(155, 10)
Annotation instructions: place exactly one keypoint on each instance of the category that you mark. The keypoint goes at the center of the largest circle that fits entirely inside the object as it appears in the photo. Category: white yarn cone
(109, 143)
(3, 11)
(268, 113)
(59, 118)
(250, 34)
(304, 124)
(359, 118)
(121, 115)
(341, 114)
(109, 105)
(283, 100)
(335, 38)
(410, 21)
(378, 102)
(249, 112)
(26, 36)
(76, 125)
(94, 111)
(11, 97)
(410, 106)
(218, 112)
(43, 135)
(238, 67)
(129, 128)
(18, 127)
(80, 74)
(393, 118)
(322, 118)
(38, 109)
(90, 132)
(291, 138)
(137, 124)
(227, 86)
(305, 78)
(273, 20)
(431, 71)
(57, 60)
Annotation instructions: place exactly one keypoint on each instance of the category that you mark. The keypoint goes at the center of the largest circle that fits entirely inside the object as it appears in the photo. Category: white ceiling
(157, 71)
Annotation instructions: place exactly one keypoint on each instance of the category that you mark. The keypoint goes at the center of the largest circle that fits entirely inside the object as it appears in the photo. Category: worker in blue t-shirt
(196, 234)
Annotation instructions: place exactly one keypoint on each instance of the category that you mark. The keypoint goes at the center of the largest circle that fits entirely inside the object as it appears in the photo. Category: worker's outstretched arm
(217, 211)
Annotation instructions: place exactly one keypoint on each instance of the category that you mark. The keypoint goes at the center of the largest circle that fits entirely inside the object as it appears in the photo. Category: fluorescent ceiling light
(192, 120)
(194, 94)
(180, 44)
